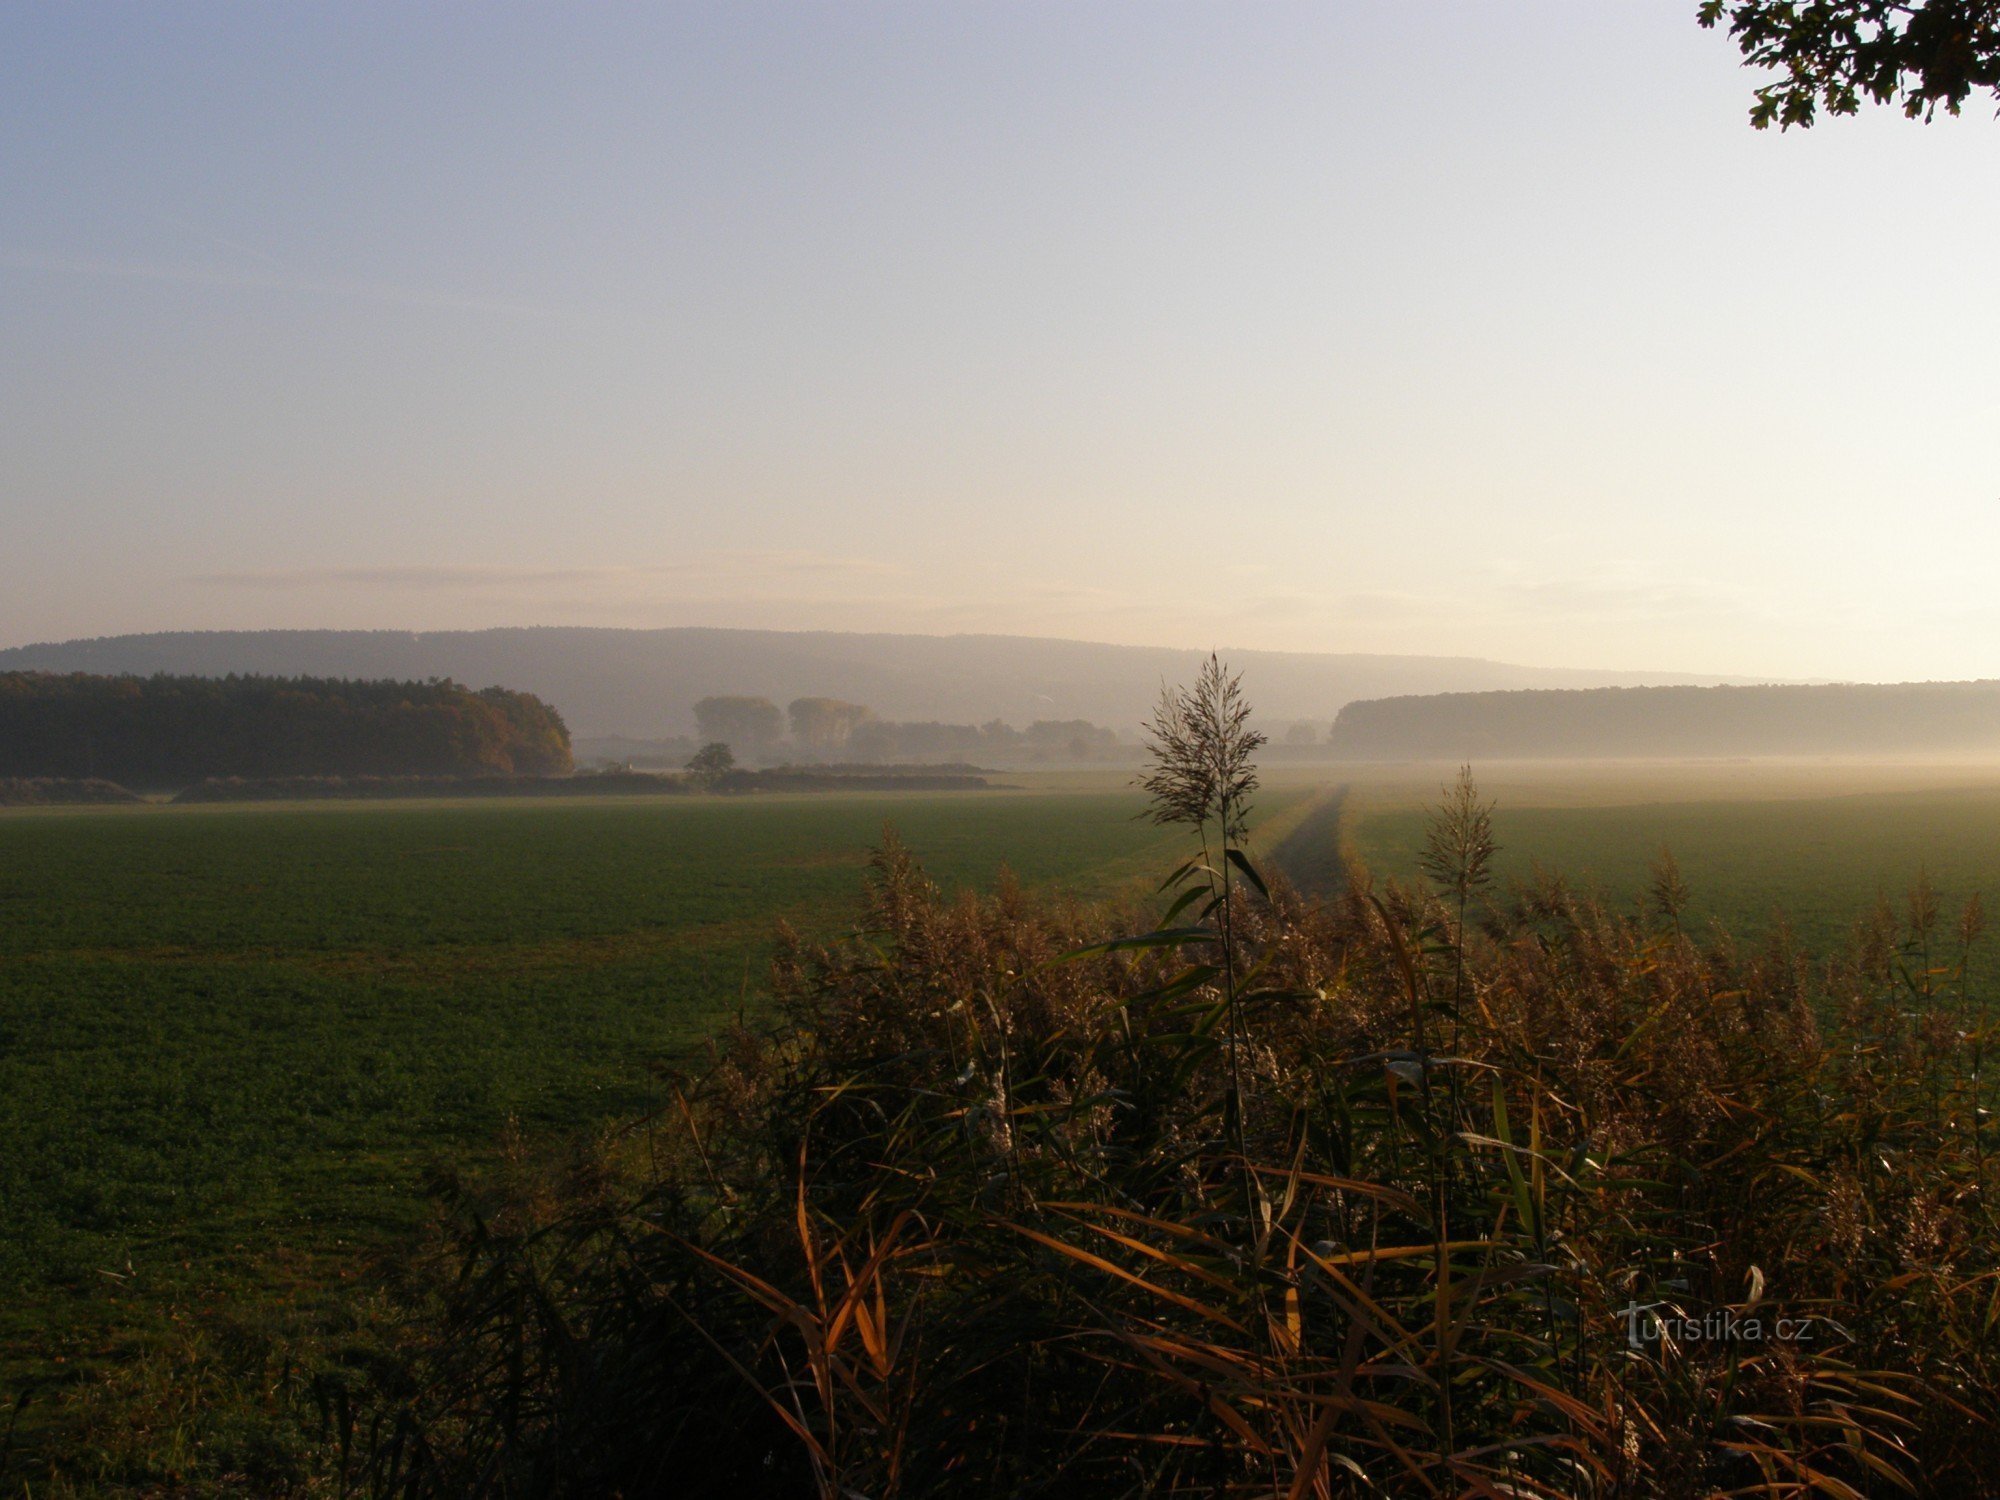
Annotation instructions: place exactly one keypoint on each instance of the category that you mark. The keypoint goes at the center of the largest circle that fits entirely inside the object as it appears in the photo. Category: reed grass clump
(1009, 1198)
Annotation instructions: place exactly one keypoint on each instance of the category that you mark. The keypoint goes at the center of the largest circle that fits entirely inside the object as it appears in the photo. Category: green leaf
(1182, 902)
(1242, 862)
(1523, 1204)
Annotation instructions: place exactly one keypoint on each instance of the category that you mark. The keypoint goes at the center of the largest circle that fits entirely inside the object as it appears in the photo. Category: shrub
(1000, 1202)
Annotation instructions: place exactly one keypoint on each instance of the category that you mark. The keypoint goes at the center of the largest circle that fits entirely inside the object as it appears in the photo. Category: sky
(1397, 326)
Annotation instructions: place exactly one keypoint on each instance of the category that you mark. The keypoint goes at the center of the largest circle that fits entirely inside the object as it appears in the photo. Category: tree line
(163, 731)
(828, 728)
(1909, 718)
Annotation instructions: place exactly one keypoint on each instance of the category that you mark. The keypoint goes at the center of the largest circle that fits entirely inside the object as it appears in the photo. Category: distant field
(1819, 843)
(232, 1038)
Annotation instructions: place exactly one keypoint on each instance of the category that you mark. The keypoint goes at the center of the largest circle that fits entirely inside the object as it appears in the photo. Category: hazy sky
(1473, 328)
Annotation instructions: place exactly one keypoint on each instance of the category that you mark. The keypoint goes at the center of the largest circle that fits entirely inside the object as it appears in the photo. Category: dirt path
(1309, 855)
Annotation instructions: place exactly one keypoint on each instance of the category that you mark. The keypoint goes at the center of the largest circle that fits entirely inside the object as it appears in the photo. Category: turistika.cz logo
(1647, 1324)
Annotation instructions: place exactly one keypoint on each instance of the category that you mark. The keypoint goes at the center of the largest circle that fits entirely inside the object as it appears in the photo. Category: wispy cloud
(731, 566)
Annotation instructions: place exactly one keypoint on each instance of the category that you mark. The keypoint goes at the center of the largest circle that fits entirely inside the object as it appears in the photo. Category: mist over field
(1665, 723)
(646, 682)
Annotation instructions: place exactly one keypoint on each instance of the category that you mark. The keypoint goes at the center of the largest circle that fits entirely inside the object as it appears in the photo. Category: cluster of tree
(169, 731)
(1300, 739)
(822, 728)
(754, 725)
(1043, 740)
(1911, 718)
(748, 724)
(637, 684)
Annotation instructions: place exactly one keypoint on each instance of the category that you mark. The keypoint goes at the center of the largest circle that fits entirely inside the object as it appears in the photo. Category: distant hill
(645, 682)
(1905, 718)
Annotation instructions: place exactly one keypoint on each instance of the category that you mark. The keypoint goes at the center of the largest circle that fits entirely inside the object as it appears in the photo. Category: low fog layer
(1906, 718)
(646, 682)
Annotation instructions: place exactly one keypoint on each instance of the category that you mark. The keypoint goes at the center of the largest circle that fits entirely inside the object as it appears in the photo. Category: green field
(234, 1039)
(1818, 845)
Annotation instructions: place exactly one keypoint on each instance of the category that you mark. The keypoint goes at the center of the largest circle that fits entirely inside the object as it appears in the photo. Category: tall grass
(1417, 1193)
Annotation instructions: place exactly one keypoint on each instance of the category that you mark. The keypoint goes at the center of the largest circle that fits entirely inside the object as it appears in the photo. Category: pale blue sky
(1474, 328)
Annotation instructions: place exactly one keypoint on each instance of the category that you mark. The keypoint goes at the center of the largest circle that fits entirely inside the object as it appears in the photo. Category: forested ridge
(642, 682)
(164, 731)
(1905, 718)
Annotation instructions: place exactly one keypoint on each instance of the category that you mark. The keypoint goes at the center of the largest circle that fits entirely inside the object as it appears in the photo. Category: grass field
(1818, 843)
(234, 1039)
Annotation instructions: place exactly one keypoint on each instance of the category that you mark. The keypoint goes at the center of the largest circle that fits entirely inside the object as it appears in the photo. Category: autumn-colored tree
(161, 731)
